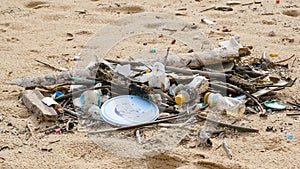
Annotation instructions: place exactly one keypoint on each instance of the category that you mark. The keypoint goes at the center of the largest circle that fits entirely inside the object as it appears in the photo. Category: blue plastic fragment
(259, 66)
(290, 136)
(58, 94)
(152, 50)
(241, 97)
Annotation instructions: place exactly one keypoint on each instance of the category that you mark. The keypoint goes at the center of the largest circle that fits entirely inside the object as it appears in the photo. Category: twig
(293, 62)
(70, 112)
(259, 77)
(221, 124)
(52, 67)
(294, 104)
(140, 125)
(166, 57)
(190, 120)
(29, 126)
(3, 148)
(126, 62)
(220, 87)
(248, 3)
(207, 9)
(293, 114)
(168, 29)
(285, 59)
(66, 102)
(75, 93)
(55, 141)
(202, 73)
(227, 149)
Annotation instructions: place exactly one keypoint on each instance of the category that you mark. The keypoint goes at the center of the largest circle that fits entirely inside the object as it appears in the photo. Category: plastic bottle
(90, 98)
(225, 105)
(158, 78)
(192, 90)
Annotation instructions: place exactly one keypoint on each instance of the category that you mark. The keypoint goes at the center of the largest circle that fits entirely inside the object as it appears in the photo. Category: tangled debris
(189, 99)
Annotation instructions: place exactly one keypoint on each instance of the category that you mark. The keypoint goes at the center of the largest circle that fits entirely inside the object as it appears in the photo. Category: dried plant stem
(221, 124)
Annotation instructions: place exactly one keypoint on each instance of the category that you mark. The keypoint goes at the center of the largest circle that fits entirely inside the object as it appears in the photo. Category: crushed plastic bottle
(192, 90)
(157, 78)
(224, 105)
(90, 98)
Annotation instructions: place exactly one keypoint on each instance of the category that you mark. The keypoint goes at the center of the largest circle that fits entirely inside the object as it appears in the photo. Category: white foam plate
(128, 110)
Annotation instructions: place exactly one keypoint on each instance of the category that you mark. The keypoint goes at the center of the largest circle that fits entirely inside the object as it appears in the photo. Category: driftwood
(229, 51)
(99, 70)
(50, 79)
(205, 58)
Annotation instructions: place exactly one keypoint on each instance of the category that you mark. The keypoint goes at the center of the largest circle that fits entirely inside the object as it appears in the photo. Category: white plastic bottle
(158, 78)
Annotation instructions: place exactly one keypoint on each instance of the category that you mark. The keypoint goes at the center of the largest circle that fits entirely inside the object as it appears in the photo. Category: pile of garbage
(151, 106)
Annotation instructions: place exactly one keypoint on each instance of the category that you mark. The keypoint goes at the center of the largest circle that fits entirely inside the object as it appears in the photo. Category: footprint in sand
(12, 39)
(37, 4)
(125, 9)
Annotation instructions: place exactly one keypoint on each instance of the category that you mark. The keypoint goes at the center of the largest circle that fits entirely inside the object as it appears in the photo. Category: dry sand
(38, 30)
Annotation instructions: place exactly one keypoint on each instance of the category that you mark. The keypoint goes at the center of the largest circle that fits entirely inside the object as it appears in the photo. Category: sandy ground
(38, 30)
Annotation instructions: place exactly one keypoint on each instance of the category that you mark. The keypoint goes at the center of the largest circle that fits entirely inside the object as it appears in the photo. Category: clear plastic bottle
(192, 90)
(225, 105)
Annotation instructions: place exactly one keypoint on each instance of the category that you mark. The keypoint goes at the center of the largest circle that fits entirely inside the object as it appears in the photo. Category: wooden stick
(50, 66)
(141, 125)
(207, 9)
(222, 88)
(294, 104)
(167, 54)
(285, 59)
(74, 93)
(70, 112)
(221, 124)
(248, 3)
(293, 62)
(200, 72)
(293, 114)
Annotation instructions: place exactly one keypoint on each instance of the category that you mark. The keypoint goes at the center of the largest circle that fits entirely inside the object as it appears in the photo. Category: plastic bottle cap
(273, 54)
(205, 99)
(179, 99)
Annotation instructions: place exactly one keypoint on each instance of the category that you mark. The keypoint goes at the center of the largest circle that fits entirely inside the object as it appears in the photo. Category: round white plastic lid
(129, 110)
